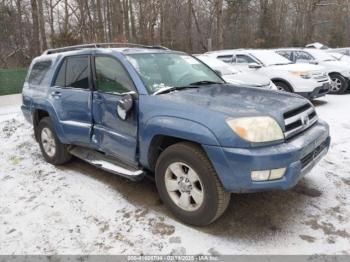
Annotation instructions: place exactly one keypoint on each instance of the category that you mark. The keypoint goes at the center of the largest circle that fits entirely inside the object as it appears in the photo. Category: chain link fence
(11, 80)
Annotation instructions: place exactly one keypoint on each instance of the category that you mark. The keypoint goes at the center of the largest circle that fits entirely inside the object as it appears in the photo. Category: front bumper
(318, 92)
(298, 155)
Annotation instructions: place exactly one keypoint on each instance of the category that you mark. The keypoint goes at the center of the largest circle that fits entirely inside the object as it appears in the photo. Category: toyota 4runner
(140, 110)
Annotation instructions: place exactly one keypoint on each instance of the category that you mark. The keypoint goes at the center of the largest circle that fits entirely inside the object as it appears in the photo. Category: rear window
(38, 72)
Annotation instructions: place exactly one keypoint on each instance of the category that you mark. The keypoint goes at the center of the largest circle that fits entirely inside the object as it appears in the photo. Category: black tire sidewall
(207, 212)
(284, 86)
(56, 159)
(343, 81)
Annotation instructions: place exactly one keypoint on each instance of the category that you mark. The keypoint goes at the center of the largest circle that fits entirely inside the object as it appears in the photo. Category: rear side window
(226, 58)
(285, 54)
(244, 59)
(38, 72)
(74, 73)
(303, 56)
(61, 77)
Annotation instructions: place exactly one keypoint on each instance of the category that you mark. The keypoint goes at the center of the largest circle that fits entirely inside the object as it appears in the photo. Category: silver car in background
(237, 77)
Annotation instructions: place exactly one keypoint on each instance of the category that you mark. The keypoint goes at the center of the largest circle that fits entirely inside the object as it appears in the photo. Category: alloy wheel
(48, 142)
(184, 186)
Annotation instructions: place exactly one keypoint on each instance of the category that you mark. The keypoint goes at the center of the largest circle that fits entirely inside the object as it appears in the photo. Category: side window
(77, 72)
(61, 76)
(39, 72)
(285, 54)
(226, 58)
(244, 59)
(111, 76)
(303, 56)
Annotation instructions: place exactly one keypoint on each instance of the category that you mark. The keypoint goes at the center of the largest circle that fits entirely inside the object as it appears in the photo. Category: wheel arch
(39, 112)
(284, 81)
(157, 136)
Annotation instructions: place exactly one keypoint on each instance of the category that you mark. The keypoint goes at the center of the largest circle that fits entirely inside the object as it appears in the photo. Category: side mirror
(124, 106)
(254, 66)
(314, 62)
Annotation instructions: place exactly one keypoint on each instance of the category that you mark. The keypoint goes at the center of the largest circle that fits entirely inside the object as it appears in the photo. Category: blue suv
(140, 110)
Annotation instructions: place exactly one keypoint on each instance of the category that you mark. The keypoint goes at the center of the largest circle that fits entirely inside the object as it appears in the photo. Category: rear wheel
(51, 148)
(283, 86)
(188, 184)
(338, 84)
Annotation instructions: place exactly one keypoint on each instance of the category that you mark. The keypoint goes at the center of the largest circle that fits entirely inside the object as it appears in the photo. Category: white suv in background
(339, 71)
(308, 80)
(237, 77)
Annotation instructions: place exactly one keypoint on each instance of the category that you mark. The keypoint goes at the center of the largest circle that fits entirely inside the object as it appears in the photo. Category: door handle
(56, 94)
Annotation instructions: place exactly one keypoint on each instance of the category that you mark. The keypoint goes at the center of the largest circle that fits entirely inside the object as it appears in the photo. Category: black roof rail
(99, 45)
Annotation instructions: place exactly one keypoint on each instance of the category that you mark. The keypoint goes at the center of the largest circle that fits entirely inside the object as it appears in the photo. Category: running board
(107, 163)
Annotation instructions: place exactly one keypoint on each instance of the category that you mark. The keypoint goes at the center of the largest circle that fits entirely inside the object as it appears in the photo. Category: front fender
(173, 127)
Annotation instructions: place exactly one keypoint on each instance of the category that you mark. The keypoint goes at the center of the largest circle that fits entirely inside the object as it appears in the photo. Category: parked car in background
(239, 77)
(310, 81)
(340, 57)
(344, 50)
(317, 45)
(148, 110)
(339, 71)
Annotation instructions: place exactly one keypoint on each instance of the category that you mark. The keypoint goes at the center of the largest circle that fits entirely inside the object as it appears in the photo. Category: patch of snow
(78, 209)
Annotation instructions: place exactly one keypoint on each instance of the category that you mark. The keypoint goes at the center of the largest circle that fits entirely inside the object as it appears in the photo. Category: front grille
(299, 119)
(306, 160)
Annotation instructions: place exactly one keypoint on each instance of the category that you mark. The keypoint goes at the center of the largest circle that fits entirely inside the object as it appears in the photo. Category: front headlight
(256, 129)
(302, 74)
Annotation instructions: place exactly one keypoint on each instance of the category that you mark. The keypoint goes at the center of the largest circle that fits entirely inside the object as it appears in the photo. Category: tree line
(28, 27)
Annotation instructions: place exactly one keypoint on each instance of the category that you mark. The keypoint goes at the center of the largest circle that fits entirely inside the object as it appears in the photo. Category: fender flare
(277, 79)
(179, 128)
(45, 105)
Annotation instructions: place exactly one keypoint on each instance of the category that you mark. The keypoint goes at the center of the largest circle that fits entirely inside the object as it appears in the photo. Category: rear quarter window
(39, 72)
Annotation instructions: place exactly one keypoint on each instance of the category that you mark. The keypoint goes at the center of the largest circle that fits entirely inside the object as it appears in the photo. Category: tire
(283, 86)
(188, 157)
(53, 151)
(338, 84)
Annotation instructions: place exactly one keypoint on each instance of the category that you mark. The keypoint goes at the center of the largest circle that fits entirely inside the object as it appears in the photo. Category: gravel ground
(78, 209)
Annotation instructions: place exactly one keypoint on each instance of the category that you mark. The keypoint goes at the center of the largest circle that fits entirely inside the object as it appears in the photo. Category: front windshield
(216, 64)
(321, 56)
(163, 70)
(270, 58)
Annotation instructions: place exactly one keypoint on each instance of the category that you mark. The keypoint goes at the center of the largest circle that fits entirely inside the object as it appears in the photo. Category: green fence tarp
(11, 81)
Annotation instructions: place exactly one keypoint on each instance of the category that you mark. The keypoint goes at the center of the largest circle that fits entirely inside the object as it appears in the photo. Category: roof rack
(99, 45)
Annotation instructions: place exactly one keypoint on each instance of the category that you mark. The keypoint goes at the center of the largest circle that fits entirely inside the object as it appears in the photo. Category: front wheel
(283, 87)
(338, 84)
(188, 184)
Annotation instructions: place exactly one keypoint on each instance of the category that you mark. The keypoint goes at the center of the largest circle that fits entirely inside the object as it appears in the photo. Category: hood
(247, 80)
(211, 106)
(224, 101)
(337, 65)
(298, 67)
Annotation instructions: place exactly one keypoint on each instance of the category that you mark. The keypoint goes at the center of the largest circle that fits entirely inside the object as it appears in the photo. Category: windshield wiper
(192, 85)
(205, 82)
(171, 88)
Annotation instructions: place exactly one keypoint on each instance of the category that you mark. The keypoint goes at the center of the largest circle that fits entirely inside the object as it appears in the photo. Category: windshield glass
(269, 58)
(216, 64)
(162, 70)
(320, 55)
